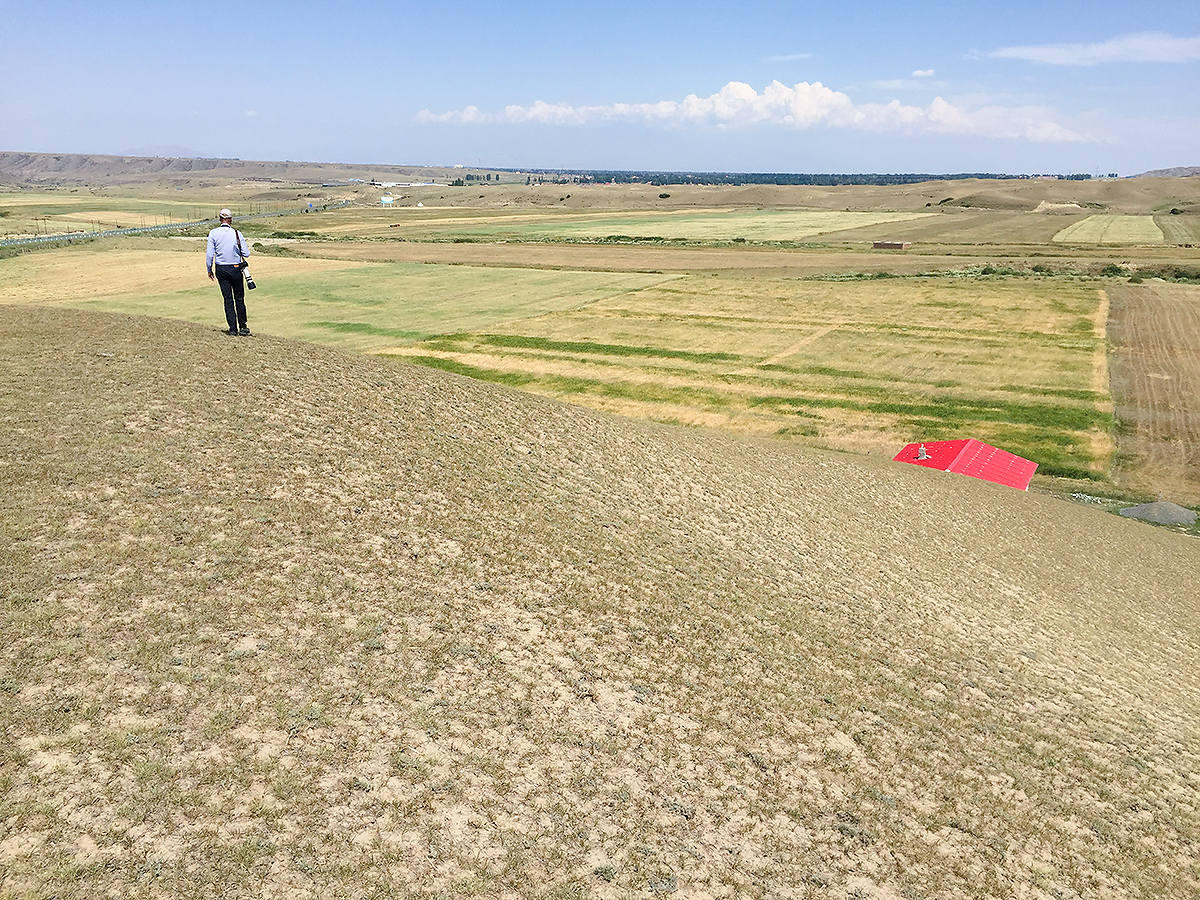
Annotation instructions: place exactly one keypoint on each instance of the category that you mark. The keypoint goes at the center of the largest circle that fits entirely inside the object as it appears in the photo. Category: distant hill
(272, 614)
(83, 168)
(52, 168)
(1177, 172)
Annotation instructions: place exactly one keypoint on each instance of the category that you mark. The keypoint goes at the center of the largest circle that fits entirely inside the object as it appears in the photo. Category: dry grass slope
(283, 622)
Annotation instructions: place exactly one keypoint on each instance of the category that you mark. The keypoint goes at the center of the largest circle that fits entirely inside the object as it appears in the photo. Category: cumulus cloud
(1153, 47)
(801, 106)
(924, 73)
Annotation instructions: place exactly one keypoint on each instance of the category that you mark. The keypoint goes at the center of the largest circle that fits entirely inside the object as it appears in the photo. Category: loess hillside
(279, 621)
(234, 181)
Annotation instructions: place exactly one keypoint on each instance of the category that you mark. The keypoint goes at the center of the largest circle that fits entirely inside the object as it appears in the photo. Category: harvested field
(825, 259)
(1154, 331)
(1112, 230)
(691, 225)
(963, 227)
(1179, 229)
(278, 621)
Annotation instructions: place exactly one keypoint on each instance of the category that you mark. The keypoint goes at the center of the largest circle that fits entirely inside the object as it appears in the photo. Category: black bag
(250, 285)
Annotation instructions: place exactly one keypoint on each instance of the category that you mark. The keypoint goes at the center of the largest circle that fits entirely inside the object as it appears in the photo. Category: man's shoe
(232, 331)
(244, 331)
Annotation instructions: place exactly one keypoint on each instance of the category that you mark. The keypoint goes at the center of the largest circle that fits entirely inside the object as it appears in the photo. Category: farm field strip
(722, 225)
(1156, 383)
(973, 227)
(1179, 229)
(1106, 229)
(169, 283)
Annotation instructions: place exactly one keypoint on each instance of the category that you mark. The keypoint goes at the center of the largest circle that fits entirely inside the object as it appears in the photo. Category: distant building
(387, 200)
(892, 245)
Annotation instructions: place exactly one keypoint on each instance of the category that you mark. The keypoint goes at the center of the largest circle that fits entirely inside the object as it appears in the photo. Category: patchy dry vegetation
(278, 620)
(282, 621)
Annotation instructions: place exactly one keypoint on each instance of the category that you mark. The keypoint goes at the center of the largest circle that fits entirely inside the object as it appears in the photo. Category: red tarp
(971, 457)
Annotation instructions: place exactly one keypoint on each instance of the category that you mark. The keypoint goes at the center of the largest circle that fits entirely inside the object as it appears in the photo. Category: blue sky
(1016, 87)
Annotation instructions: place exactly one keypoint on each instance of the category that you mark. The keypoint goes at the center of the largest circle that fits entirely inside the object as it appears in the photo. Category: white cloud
(1144, 47)
(924, 73)
(802, 106)
(789, 57)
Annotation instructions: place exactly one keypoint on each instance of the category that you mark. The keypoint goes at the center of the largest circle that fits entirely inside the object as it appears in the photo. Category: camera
(250, 285)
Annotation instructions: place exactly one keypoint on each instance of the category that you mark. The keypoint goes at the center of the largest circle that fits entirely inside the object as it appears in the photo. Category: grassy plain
(862, 365)
(708, 307)
(366, 307)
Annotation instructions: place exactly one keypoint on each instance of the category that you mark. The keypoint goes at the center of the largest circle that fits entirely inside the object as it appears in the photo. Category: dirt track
(1154, 330)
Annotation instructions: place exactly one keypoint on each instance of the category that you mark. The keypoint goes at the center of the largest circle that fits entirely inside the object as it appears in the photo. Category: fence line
(72, 236)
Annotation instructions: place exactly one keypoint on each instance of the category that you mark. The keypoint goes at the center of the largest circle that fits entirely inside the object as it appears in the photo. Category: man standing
(227, 249)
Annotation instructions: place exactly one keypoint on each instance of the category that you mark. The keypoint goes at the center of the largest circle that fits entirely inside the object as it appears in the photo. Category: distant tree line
(592, 176)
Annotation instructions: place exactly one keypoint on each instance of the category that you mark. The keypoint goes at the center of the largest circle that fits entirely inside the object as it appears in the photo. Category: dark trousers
(234, 292)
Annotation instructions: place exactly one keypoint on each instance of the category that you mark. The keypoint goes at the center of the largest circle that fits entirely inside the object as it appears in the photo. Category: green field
(865, 366)
(1112, 230)
(27, 214)
(365, 307)
(852, 362)
(76, 210)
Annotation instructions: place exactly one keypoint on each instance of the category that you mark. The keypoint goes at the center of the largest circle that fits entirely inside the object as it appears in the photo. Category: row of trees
(588, 176)
(830, 179)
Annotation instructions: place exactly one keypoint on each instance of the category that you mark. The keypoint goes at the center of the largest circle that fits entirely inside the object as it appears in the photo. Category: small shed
(387, 199)
(973, 458)
(892, 245)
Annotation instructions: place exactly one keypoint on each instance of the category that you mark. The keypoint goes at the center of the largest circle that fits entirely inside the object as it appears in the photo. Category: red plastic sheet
(973, 458)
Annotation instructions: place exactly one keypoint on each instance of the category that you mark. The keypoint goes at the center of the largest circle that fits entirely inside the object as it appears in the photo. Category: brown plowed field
(1154, 330)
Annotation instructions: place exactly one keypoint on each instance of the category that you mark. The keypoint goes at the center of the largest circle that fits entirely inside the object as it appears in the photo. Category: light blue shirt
(223, 247)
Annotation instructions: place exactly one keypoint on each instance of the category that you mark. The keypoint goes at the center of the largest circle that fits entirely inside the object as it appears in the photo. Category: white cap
(226, 214)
